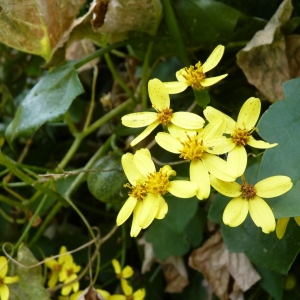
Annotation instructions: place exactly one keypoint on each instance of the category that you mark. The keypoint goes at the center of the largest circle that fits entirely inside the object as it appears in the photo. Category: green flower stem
(117, 77)
(92, 105)
(70, 123)
(114, 112)
(4, 172)
(101, 151)
(10, 219)
(11, 202)
(124, 246)
(14, 184)
(27, 228)
(45, 223)
(175, 31)
(145, 76)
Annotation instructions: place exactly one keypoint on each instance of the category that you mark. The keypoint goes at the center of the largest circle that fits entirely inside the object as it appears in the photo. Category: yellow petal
(219, 145)
(212, 114)
(182, 188)
(199, 176)
(218, 167)
(145, 133)
(117, 297)
(187, 120)
(143, 162)
(139, 294)
(4, 292)
(131, 171)
(237, 160)
(262, 214)
(117, 266)
(158, 94)
(168, 142)
(249, 114)
(135, 228)
(235, 212)
(212, 80)
(140, 119)
(9, 280)
(213, 59)
(127, 272)
(229, 189)
(281, 227)
(180, 75)
(180, 133)
(3, 266)
(297, 219)
(260, 144)
(126, 210)
(127, 289)
(103, 293)
(149, 210)
(53, 279)
(175, 87)
(162, 208)
(273, 186)
(214, 129)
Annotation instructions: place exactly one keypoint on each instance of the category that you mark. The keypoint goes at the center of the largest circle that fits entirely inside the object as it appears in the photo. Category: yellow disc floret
(194, 75)
(248, 191)
(241, 137)
(193, 149)
(164, 116)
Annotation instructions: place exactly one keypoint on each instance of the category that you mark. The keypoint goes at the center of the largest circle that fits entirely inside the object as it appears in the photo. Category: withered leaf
(269, 58)
(36, 26)
(219, 267)
(99, 11)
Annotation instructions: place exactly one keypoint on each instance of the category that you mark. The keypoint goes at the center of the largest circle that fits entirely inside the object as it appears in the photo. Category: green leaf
(31, 283)
(182, 228)
(202, 97)
(280, 124)
(47, 101)
(271, 282)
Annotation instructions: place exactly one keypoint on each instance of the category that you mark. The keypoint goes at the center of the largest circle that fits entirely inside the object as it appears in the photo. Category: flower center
(57, 268)
(70, 272)
(194, 76)
(248, 191)
(157, 183)
(129, 297)
(164, 116)
(138, 191)
(193, 149)
(1, 281)
(241, 137)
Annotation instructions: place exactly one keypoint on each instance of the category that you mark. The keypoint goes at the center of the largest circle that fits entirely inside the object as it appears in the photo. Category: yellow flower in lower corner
(129, 294)
(127, 272)
(282, 225)
(248, 198)
(164, 115)
(4, 280)
(55, 266)
(240, 132)
(195, 76)
(147, 187)
(68, 274)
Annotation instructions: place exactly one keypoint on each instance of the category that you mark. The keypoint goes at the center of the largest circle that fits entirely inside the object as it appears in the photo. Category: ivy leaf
(47, 101)
(37, 26)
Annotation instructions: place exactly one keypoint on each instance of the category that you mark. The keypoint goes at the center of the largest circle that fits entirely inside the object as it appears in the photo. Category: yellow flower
(247, 197)
(160, 100)
(147, 189)
(200, 147)
(4, 280)
(75, 296)
(240, 132)
(56, 267)
(282, 224)
(68, 274)
(195, 76)
(129, 294)
(122, 274)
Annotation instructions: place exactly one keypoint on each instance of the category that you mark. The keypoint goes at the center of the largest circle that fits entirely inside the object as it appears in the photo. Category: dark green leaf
(48, 101)
(202, 97)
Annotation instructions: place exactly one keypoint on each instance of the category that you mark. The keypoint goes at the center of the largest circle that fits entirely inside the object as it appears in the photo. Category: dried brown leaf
(36, 26)
(218, 266)
(265, 60)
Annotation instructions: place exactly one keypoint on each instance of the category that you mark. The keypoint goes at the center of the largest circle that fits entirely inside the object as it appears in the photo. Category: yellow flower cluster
(64, 270)
(186, 134)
